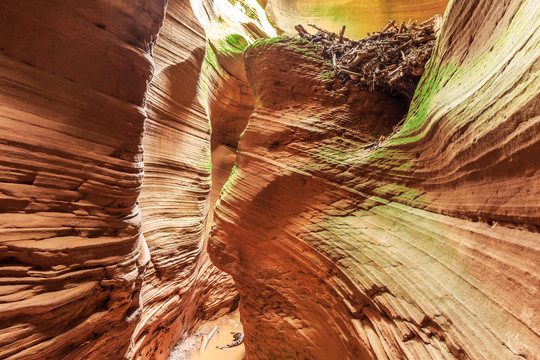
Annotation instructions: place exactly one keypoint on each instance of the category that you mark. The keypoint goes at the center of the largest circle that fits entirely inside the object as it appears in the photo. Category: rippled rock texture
(181, 286)
(426, 247)
(90, 266)
(226, 95)
(73, 84)
(360, 16)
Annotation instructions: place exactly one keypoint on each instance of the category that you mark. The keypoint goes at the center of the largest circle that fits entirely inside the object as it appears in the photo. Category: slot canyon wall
(181, 287)
(417, 249)
(91, 266)
(73, 79)
(424, 246)
(225, 93)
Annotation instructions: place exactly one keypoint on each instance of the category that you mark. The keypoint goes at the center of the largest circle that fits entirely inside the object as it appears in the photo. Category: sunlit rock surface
(227, 97)
(230, 26)
(181, 286)
(77, 279)
(426, 247)
(360, 16)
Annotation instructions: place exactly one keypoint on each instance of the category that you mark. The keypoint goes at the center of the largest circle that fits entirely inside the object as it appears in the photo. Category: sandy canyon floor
(190, 348)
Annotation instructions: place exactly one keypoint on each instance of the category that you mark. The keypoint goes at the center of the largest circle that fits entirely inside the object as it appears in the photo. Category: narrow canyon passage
(171, 168)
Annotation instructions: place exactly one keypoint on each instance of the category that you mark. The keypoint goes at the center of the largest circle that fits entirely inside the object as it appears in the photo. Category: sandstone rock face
(226, 94)
(423, 248)
(73, 82)
(181, 286)
(360, 16)
(77, 278)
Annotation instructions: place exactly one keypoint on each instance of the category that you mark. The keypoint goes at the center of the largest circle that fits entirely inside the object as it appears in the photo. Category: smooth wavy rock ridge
(424, 248)
(96, 263)
(345, 235)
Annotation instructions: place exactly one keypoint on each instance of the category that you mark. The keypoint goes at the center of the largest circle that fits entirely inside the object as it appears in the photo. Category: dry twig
(391, 59)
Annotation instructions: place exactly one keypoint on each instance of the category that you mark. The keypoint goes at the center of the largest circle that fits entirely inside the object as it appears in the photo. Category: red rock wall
(181, 286)
(230, 103)
(226, 94)
(73, 78)
(78, 280)
(424, 248)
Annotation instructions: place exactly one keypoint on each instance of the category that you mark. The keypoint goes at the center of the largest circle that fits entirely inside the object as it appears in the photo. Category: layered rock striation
(343, 245)
(422, 246)
(73, 81)
(181, 286)
(81, 277)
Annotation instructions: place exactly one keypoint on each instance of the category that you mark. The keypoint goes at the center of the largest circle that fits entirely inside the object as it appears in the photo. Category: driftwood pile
(392, 59)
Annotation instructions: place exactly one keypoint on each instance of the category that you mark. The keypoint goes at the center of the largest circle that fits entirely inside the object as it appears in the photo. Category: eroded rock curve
(415, 250)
